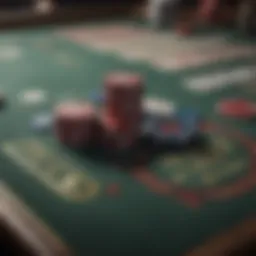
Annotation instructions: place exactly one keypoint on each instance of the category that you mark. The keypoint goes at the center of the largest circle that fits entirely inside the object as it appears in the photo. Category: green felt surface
(137, 221)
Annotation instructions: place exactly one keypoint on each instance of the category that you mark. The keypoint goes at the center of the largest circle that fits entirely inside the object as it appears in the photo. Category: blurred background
(31, 12)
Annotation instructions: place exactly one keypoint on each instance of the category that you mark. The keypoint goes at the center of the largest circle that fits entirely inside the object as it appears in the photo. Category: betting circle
(226, 171)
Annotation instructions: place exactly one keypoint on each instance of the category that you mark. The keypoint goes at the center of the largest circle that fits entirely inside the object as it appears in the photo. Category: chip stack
(116, 138)
(246, 21)
(207, 9)
(75, 124)
(123, 106)
(163, 14)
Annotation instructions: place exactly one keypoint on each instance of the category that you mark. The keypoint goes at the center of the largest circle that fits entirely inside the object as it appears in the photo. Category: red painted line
(245, 184)
(113, 189)
(147, 178)
(190, 198)
(194, 198)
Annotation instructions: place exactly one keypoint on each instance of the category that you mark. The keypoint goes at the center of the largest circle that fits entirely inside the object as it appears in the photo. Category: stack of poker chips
(78, 124)
(122, 111)
(163, 13)
(75, 124)
(246, 21)
(207, 9)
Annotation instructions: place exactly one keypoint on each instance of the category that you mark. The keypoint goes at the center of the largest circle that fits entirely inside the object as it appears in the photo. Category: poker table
(187, 202)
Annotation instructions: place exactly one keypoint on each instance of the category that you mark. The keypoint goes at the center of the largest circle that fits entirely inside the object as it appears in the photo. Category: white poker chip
(158, 106)
(32, 97)
(42, 122)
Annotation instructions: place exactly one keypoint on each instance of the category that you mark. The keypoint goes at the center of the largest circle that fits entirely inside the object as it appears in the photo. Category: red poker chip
(74, 110)
(207, 8)
(123, 99)
(237, 108)
(125, 79)
(127, 86)
(75, 123)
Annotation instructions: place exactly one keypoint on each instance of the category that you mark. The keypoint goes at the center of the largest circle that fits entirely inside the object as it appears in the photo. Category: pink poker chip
(117, 82)
(74, 110)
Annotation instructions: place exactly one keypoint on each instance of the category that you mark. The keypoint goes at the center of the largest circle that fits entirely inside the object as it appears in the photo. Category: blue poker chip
(168, 132)
(158, 127)
(97, 98)
(42, 122)
(149, 125)
(190, 114)
(179, 129)
(190, 120)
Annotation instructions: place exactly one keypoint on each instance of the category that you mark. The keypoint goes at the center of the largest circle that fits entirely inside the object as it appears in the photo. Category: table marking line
(11, 150)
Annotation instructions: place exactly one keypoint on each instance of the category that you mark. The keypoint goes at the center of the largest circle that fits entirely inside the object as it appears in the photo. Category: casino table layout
(184, 202)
